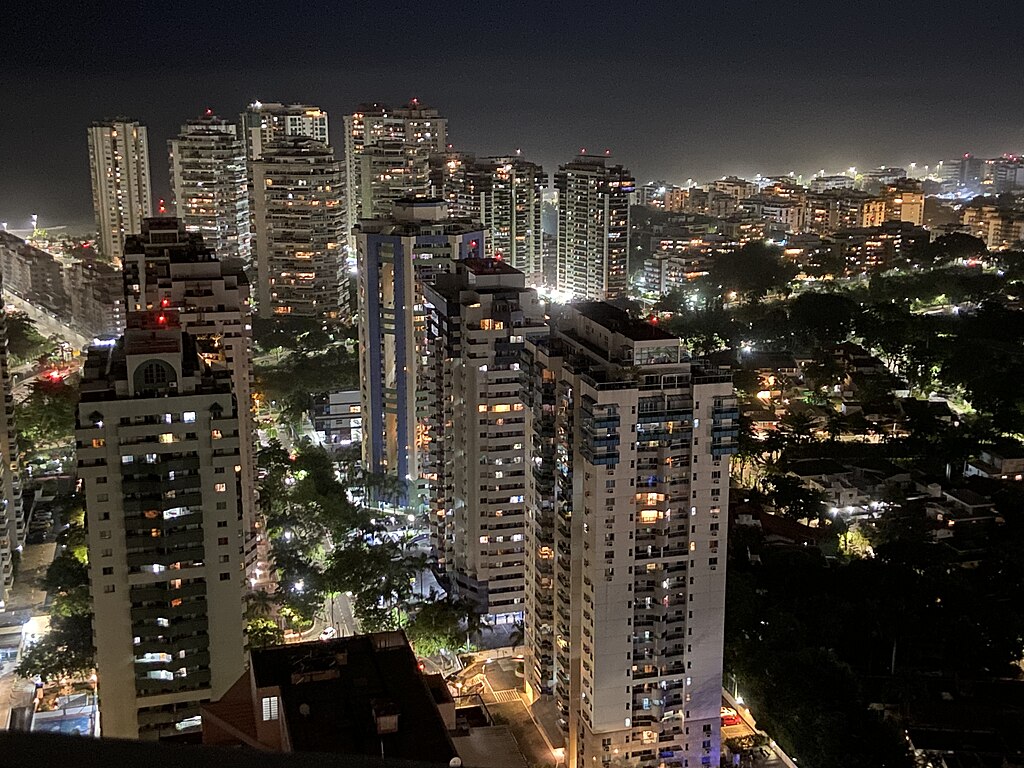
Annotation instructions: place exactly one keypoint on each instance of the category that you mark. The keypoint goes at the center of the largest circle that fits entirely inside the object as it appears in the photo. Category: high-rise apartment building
(299, 230)
(121, 193)
(398, 255)
(263, 123)
(904, 201)
(158, 456)
(505, 194)
(475, 458)
(166, 267)
(387, 157)
(593, 228)
(210, 183)
(12, 524)
(626, 538)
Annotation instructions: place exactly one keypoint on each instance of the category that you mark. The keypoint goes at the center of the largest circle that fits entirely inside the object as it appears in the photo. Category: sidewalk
(26, 600)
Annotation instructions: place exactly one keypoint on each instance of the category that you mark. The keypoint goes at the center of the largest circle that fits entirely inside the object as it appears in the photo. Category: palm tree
(798, 427)
(518, 633)
(260, 604)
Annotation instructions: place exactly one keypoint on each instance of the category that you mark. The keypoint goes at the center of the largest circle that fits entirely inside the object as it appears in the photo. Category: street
(499, 684)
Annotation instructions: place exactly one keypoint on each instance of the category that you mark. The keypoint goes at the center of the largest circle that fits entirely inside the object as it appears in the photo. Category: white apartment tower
(166, 267)
(387, 157)
(475, 430)
(121, 192)
(398, 255)
(593, 228)
(263, 123)
(12, 524)
(299, 230)
(210, 183)
(626, 539)
(505, 194)
(158, 456)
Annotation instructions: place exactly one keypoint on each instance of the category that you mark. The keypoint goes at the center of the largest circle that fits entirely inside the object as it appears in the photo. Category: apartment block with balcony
(398, 255)
(475, 458)
(167, 267)
(158, 455)
(593, 228)
(298, 233)
(626, 538)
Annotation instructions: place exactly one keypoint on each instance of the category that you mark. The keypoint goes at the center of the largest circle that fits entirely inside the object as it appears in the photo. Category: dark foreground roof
(38, 749)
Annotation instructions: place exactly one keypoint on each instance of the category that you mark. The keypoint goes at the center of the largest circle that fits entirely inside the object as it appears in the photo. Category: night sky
(675, 89)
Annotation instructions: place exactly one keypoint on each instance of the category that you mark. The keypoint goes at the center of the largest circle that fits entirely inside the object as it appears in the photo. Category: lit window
(216, 434)
(502, 408)
(188, 417)
(270, 705)
(483, 539)
(98, 442)
(481, 409)
(167, 437)
(220, 487)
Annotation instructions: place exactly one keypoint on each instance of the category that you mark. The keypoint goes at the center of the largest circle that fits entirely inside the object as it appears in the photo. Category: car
(328, 633)
(730, 716)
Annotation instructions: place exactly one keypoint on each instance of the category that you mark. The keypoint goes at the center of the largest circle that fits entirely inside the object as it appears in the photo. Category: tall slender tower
(121, 194)
(505, 195)
(387, 157)
(475, 430)
(166, 267)
(12, 525)
(158, 456)
(627, 519)
(209, 179)
(299, 234)
(263, 123)
(398, 255)
(593, 228)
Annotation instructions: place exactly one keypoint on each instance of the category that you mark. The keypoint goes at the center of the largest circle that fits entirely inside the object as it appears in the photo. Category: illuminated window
(648, 516)
(167, 437)
(502, 408)
(270, 705)
(98, 442)
(481, 409)
(220, 487)
(216, 434)
(188, 417)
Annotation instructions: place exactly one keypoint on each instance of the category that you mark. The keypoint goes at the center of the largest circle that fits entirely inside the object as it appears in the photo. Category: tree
(24, 342)
(752, 271)
(47, 415)
(263, 632)
(956, 246)
(65, 573)
(826, 318)
(793, 499)
(65, 651)
(436, 627)
(797, 427)
(260, 604)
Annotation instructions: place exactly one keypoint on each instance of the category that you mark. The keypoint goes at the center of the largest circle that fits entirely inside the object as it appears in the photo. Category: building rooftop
(618, 321)
(44, 749)
(335, 694)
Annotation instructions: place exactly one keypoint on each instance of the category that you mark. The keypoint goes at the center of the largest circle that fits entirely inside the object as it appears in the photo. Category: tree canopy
(752, 271)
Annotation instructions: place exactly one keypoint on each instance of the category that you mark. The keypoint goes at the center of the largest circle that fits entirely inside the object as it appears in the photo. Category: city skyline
(701, 93)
